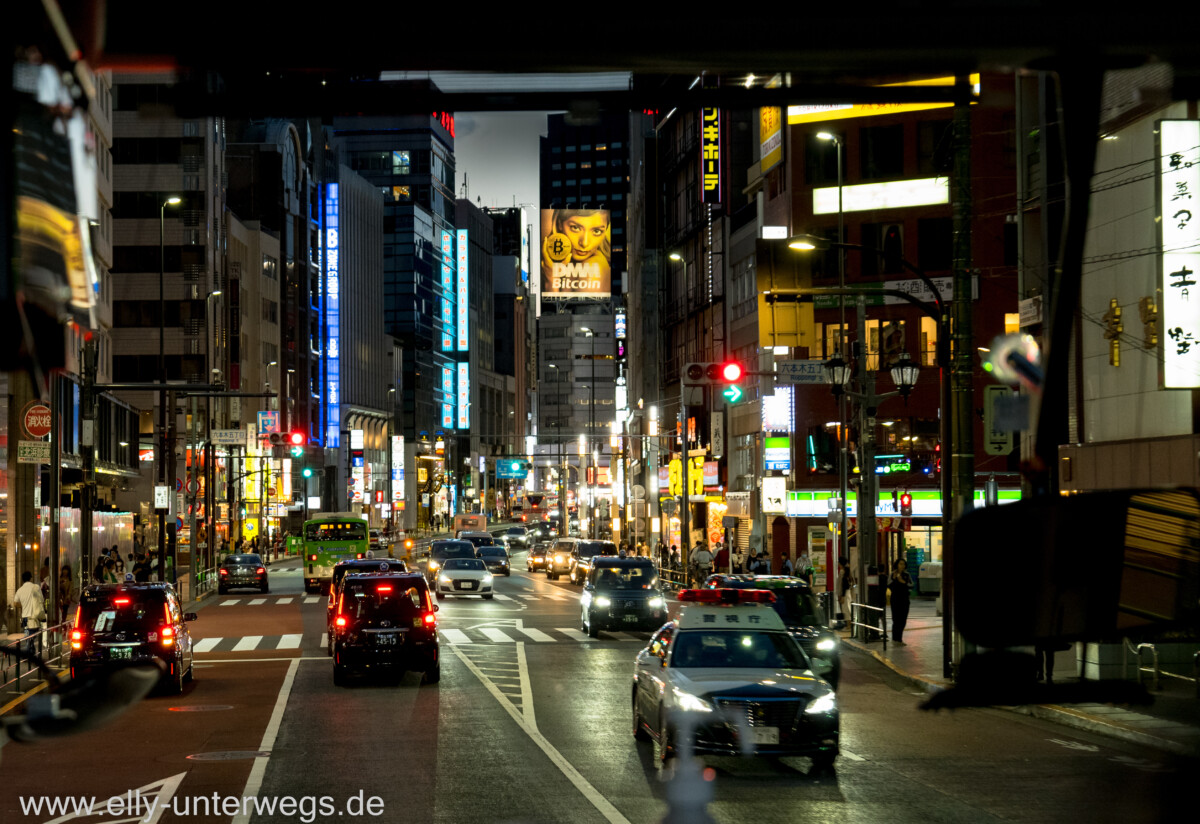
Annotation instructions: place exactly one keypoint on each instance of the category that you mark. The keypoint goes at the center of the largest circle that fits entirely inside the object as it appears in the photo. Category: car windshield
(381, 600)
(464, 563)
(121, 612)
(453, 549)
(243, 559)
(731, 648)
(336, 531)
(516, 530)
(589, 548)
(627, 577)
(492, 550)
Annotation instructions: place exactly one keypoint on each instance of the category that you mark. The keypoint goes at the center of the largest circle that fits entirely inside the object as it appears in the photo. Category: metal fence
(17, 675)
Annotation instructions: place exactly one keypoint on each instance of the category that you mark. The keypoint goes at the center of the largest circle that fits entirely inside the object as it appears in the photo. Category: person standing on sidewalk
(31, 606)
(845, 586)
(898, 589)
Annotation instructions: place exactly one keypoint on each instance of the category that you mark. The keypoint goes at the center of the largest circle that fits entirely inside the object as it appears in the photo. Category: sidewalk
(1171, 723)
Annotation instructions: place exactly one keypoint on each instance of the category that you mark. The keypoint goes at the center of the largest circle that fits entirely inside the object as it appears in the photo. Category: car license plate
(468, 585)
(120, 652)
(631, 619)
(385, 639)
(765, 735)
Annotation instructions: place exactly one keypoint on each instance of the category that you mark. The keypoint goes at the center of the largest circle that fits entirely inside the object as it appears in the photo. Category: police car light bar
(727, 596)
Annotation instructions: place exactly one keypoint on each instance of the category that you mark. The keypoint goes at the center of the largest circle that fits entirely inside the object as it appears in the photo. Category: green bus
(338, 536)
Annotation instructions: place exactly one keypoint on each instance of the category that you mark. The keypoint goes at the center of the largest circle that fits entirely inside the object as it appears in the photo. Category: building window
(570, 165)
(881, 152)
(402, 193)
(600, 147)
(570, 149)
(401, 162)
(555, 183)
(270, 267)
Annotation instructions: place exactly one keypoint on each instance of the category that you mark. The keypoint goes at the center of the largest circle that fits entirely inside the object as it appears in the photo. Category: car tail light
(430, 619)
(358, 556)
(168, 636)
(340, 621)
(76, 639)
(384, 588)
(261, 570)
(120, 601)
(224, 571)
(727, 596)
(312, 557)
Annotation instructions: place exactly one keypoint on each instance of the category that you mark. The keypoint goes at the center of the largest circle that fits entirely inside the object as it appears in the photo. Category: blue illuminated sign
(619, 325)
(332, 345)
(461, 292)
(464, 396)
(447, 291)
(448, 396)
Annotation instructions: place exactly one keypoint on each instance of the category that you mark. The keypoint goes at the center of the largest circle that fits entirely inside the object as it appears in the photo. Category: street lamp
(160, 470)
(591, 425)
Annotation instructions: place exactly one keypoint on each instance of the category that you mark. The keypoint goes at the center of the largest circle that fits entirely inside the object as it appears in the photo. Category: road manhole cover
(202, 708)
(229, 755)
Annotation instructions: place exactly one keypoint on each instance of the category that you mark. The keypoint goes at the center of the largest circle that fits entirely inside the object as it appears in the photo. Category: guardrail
(49, 642)
(1154, 668)
(856, 620)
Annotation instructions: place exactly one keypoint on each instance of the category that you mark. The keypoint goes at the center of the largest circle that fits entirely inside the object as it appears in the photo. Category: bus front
(327, 541)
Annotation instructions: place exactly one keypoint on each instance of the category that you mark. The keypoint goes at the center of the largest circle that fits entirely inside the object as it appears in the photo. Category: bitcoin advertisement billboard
(576, 253)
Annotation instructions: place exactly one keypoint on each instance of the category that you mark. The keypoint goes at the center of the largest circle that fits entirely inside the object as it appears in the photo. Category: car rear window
(243, 559)
(589, 548)
(121, 612)
(464, 563)
(382, 599)
(492, 550)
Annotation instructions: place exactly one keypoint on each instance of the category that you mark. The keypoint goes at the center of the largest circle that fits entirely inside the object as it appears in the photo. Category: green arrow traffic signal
(732, 394)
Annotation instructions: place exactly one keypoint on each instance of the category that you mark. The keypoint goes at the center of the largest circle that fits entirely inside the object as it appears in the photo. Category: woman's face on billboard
(587, 234)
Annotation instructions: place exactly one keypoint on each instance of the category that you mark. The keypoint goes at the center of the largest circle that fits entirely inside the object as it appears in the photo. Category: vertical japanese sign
(770, 136)
(461, 291)
(358, 467)
(710, 155)
(397, 469)
(448, 396)
(464, 396)
(1179, 227)
(447, 291)
(332, 284)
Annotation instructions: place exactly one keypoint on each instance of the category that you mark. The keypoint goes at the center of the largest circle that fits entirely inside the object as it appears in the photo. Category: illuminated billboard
(710, 156)
(576, 253)
(447, 291)
(464, 396)
(332, 311)
(1179, 261)
(460, 291)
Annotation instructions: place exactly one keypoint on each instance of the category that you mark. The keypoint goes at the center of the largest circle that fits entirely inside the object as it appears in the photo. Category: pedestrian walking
(845, 586)
(786, 569)
(804, 568)
(32, 606)
(66, 592)
(898, 589)
(702, 562)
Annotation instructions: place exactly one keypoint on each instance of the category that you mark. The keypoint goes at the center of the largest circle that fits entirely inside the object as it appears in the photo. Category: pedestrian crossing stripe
(316, 599)
(457, 637)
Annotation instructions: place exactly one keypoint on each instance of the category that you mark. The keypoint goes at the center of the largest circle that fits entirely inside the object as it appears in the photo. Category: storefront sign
(1179, 229)
(33, 452)
(774, 493)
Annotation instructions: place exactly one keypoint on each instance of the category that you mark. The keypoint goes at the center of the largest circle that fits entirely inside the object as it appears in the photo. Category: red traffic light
(296, 438)
(731, 372)
(906, 499)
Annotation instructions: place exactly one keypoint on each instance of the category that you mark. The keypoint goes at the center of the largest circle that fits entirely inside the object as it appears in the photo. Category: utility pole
(867, 539)
(87, 493)
(167, 549)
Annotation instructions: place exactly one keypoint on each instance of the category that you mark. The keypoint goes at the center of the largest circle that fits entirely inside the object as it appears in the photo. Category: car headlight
(444, 580)
(433, 565)
(558, 559)
(689, 702)
(601, 601)
(656, 603)
(487, 579)
(827, 645)
(826, 703)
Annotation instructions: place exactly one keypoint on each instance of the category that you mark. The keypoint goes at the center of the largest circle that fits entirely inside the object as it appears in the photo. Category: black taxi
(340, 570)
(385, 623)
(129, 622)
(621, 593)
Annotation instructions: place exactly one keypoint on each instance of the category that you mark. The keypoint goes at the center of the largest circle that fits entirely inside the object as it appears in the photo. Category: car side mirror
(436, 608)
(1094, 566)
(190, 616)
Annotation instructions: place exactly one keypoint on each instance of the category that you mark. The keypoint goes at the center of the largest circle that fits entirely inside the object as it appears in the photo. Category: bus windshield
(335, 531)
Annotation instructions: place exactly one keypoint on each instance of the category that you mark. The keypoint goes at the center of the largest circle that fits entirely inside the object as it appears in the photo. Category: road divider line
(594, 796)
(526, 687)
(255, 779)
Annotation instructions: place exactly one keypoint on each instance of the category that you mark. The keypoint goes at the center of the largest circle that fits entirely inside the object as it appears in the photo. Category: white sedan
(464, 576)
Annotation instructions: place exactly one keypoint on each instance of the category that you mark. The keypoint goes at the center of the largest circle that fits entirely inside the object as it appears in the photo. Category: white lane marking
(536, 634)
(494, 634)
(456, 636)
(205, 644)
(573, 634)
(500, 597)
(230, 602)
(324, 640)
(554, 596)
(845, 753)
(312, 599)
(248, 643)
(602, 804)
(255, 779)
(289, 642)
(287, 600)
(256, 601)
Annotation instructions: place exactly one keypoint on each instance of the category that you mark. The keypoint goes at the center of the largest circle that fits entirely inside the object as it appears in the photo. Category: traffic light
(297, 439)
(275, 438)
(307, 472)
(906, 505)
(728, 374)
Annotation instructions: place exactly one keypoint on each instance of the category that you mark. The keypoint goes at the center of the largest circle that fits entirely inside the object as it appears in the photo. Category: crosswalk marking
(500, 597)
(256, 601)
(289, 642)
(324, 640)
(504, 635)
(495, 635)
(230, 602)
(247, 643)
(312, 599)
(456, 636)
(556, 597)
(284, 601)
(205, 644)
(537, 634)
(573, 634)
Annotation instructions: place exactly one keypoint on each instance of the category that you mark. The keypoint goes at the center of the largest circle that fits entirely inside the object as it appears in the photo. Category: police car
(729, 658)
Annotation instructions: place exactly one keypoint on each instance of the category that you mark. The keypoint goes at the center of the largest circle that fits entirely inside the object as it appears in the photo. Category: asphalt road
(531, 723)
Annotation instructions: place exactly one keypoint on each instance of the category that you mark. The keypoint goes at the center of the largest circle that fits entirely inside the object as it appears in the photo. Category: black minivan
(385, 623)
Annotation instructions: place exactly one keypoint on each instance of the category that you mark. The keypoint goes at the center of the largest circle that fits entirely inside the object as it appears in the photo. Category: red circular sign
(37, 420)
